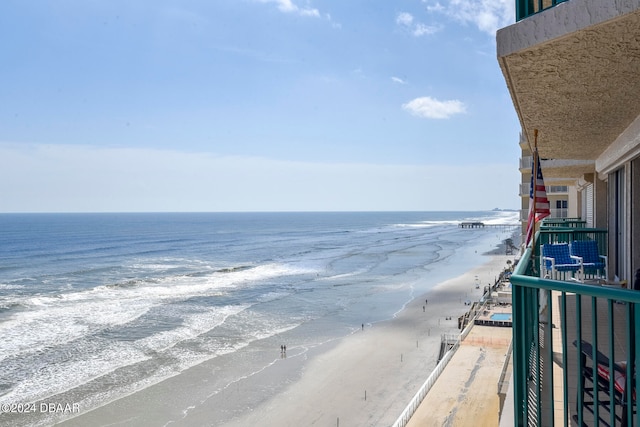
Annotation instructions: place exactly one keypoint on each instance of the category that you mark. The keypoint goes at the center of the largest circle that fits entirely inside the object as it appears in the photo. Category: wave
(346, 275)
(504, 218)
(45, 320)
(233, 269)
(55, 332)
(10, 287)
(135, 363)
(429, 224)
(497, 217)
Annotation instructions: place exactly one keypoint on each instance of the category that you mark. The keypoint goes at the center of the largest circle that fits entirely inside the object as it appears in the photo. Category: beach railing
(413, 405)
(505, 366)
(503, 381)
(466, 330)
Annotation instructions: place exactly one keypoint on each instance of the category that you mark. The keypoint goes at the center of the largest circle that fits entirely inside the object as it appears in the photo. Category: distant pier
(471, 225)
(478, 224)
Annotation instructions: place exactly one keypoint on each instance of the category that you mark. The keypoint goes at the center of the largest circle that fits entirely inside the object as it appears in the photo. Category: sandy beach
(365, 379)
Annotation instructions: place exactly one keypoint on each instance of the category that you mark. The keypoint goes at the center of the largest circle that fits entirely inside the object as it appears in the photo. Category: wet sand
(365, 379)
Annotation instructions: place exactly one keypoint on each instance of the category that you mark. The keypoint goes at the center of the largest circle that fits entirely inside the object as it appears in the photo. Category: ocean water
(97, 306)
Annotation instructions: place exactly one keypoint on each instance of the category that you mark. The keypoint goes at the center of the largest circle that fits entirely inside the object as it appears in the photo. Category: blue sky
(254, 105)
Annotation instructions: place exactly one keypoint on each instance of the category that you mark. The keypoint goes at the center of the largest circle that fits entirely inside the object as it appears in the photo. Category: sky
(255, 105)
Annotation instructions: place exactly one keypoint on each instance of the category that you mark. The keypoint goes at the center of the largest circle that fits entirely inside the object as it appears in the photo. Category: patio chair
(592, 261)
(596, 378)
(557, 258)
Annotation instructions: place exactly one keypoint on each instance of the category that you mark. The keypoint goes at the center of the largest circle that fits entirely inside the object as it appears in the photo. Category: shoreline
(370, 377)
(365, 378)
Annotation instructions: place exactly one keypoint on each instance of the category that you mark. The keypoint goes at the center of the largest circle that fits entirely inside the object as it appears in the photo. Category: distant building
(562, 192)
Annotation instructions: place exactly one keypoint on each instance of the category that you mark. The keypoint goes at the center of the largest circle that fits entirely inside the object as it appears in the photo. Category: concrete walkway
(466, 393)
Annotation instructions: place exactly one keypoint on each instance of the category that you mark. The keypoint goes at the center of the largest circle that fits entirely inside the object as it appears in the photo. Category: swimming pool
(501, 316)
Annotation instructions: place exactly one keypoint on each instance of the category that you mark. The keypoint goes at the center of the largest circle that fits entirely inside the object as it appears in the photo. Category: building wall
(635, 216)
(573, 202)
(600, 203)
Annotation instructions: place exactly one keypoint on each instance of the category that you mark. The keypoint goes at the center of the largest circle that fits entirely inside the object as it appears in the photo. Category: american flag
(540, 208)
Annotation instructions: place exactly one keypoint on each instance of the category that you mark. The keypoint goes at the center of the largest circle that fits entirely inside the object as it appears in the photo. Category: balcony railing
(559, 214)
(559, 327)
(526, 8)
(525, 188)
(553, 226)
(526, 162)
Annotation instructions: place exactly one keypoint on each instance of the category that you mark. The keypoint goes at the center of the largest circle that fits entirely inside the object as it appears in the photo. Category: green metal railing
(600, 316)
(526, 8)
(564, 222)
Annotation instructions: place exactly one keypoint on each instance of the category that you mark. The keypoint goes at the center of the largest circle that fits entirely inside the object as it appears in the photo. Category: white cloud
(288, 6)
(398, 80)
(417, 29)
(435, 7)
(404, 19)
(421, 29)
(487, 15)
(431, 108)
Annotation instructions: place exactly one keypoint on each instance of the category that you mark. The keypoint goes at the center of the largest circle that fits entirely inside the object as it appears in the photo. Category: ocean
(96, 306)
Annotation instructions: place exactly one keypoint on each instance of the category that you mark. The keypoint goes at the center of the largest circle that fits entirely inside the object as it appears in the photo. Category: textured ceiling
(580, 91)
(567, 171)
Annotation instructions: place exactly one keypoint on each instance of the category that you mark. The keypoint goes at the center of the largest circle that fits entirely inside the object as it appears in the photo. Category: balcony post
(546, 326)
(519, 357)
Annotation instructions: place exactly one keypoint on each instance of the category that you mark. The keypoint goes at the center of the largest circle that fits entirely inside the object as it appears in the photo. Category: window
(558, 189)
(561, 210)
(587, 205)
(618, 253)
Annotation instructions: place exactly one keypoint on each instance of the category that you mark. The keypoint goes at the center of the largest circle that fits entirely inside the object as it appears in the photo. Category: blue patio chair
(592, 261)
(557, 258)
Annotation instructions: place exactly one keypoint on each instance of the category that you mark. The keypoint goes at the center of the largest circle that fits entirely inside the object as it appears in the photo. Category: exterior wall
(574, 203)
(623, 149)
(622, 155)
(635, 216)
(600, 203)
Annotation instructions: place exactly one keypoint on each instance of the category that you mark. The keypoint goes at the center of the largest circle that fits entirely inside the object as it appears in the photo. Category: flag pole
(534, 181)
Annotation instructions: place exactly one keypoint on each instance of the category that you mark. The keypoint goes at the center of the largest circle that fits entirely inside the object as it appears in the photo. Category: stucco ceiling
(580, 90)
